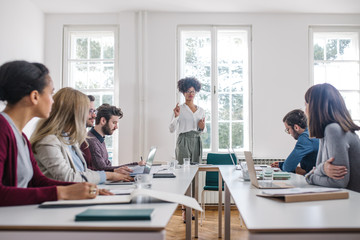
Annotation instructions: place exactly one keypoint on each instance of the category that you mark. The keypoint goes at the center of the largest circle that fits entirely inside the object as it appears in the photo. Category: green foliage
(95, 49)
(224, 106)
(238, 135)
(224, 136)
(108, 52)
(191, 44)
(343, 44)
(318, 52)
(331, 49)
(81, 48)
(206, 137)
(237, 107)
(107, 99)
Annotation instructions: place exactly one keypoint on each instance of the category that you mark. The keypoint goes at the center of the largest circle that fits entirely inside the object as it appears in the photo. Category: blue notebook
(114, 214)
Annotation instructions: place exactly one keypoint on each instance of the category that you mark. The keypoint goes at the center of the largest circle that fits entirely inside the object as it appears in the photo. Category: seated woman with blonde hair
(56, 141)
(27, 90)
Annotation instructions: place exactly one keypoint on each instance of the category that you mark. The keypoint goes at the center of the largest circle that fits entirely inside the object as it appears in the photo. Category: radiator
(211, 197)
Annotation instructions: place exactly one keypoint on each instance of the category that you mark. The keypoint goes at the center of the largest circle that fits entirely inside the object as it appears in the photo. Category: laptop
(253, 178)
(149, 162)
(237, 167)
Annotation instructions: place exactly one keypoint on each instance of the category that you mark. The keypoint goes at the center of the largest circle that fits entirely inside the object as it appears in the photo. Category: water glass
(143, 181)
(172, 165)
(186, 162)
(268, 173)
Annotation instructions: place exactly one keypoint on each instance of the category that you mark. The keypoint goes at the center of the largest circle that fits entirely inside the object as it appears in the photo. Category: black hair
(296, 116)
(188, 82)
(91, 98)
(107, 111)
(19, 78)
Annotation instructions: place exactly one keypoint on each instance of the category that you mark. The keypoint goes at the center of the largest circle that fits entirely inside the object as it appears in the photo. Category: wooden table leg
(196, 195)
(227, 213)
(188, 216)
(220, 205)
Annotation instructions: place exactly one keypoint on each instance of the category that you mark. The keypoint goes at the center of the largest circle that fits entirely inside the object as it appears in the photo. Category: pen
(83, 177)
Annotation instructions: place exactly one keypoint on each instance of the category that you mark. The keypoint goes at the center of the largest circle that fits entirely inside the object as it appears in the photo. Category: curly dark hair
(107, 111)
(188, 82)
(296, 116)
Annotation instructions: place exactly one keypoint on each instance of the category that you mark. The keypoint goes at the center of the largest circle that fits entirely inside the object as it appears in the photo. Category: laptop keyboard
(138, 169)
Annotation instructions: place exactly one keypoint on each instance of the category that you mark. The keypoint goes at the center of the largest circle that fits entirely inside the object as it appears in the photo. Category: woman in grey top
(338, 160)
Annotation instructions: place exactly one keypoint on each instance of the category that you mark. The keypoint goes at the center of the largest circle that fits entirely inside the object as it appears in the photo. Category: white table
(271, 219)
(31, 222)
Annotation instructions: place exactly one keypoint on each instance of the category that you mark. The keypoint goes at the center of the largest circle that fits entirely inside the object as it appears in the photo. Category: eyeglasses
(191, 92)
(92, 111)
(287, 130)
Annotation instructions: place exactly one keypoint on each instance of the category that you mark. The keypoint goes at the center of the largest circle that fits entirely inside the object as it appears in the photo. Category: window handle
(214, 90)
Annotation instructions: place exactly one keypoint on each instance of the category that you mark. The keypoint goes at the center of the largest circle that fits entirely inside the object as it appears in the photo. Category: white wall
(280, 70)
(22, 36)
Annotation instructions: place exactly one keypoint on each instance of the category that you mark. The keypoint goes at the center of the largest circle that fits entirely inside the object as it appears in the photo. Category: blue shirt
(79, 165)
(305, 153)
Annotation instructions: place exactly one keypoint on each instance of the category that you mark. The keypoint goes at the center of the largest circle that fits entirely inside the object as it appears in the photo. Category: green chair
(212, 178)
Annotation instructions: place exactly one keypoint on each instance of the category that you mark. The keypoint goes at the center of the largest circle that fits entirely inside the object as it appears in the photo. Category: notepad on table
(114, 214)
(116, 199)
(305, 194)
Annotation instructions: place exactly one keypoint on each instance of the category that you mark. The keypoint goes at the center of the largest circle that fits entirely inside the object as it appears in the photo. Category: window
(90, 60)
(219, 58)
(335, 60)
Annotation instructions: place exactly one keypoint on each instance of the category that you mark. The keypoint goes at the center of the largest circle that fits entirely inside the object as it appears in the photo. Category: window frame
(65, 80)
(332, 29)
(248, 116)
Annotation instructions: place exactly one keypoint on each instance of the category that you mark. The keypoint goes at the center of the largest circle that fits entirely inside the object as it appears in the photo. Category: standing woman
(189, 121)
(330, 121)
(57, 139)
(27, 90)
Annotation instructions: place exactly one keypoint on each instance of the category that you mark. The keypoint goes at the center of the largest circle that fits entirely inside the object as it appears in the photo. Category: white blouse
(187, 120)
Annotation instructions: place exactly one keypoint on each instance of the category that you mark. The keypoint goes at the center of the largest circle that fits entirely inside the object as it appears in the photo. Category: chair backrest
(212, 178)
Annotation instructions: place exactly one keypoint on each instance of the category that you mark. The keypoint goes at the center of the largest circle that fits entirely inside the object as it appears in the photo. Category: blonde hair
(68, 114)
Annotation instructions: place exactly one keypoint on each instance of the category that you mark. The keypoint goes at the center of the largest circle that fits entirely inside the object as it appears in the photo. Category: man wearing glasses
(306, 149)
(92, 112)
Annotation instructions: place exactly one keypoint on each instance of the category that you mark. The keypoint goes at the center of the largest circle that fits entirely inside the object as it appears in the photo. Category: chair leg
(242, 225)
(202, 206)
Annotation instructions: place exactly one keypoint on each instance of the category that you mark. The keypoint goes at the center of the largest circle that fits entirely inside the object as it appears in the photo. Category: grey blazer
(55, 161)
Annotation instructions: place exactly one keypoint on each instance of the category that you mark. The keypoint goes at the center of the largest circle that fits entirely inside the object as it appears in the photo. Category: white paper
(122, 191)
(113, 199)
(292, 191)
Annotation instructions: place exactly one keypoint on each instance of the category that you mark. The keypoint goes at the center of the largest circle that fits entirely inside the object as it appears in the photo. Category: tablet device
(163, 175)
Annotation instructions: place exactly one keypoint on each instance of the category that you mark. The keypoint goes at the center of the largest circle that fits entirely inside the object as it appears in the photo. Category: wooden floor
(175, 230)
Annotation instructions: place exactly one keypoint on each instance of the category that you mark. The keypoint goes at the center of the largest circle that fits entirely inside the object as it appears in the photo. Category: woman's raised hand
(177, 110)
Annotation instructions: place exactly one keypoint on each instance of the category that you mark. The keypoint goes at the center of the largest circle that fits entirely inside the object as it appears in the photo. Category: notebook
(253, 178)
(145, 169)
(114, 214)
(116, 199)
(305, 194)
(237, 167)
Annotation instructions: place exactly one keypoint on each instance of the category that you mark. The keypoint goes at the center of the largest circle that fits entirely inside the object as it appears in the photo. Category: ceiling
(226, 6)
